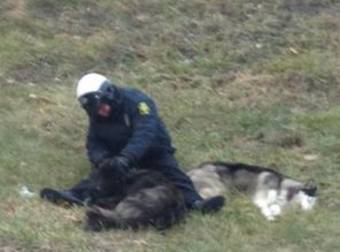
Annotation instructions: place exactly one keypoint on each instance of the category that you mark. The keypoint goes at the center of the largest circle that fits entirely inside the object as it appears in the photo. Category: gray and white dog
(268, 189)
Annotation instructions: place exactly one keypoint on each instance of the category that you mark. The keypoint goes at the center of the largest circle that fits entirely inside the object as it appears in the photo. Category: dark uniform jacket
(134, 130)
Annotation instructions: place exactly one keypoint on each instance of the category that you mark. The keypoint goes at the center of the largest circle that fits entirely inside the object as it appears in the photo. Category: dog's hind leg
(267, 201)
(98, 218)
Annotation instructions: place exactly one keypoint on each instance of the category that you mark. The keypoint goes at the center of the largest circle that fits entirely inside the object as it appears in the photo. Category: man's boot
(63, 197)
(209, 205)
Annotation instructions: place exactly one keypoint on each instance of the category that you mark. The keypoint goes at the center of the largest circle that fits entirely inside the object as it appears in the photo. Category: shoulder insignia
(143, 108)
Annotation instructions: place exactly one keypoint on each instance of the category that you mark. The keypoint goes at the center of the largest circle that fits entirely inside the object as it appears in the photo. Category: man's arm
(96, 150)
(144, 121)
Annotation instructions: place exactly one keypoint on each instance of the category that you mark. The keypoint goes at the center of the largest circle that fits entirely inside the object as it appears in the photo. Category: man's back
(136, 118)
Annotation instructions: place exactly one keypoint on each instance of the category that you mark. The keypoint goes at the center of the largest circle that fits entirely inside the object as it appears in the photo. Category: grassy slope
(250, 81)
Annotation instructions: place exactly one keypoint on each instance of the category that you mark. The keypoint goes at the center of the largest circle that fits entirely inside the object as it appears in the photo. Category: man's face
(104, 110)
(95, 105)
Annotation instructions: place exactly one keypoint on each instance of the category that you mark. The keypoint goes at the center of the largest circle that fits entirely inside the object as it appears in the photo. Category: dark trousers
(87, 188)
(165, 164)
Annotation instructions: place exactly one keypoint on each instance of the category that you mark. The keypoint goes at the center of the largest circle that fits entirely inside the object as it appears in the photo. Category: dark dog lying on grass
(119, 200)
(139, 199)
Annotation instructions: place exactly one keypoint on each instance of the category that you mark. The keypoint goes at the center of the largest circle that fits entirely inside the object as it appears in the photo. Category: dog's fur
(269, 190)
(143, 198)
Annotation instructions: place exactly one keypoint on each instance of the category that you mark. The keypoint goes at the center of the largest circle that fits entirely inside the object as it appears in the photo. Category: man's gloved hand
(118, 165)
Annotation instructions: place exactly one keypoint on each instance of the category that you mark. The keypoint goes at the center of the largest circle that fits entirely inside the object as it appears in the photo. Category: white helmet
(90, 83)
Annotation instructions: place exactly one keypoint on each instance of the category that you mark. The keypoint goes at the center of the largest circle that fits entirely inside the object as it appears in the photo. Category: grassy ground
(251, 81)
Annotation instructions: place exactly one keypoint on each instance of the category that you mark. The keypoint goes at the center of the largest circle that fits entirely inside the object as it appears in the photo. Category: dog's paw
(93, 221)
(275, 209)
(307, 203)
(271, 212)
(267, 213)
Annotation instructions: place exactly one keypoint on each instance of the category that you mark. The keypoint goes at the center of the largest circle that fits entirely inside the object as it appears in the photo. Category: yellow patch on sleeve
(143, 108)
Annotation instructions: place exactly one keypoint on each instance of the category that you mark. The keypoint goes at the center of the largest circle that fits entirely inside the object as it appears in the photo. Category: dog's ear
(310, 187)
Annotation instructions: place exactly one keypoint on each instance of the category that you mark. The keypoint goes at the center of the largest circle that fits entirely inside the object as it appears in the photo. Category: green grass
(245, 81)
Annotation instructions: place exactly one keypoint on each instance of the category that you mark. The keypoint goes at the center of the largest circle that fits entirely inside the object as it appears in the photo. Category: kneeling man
(125, 132)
